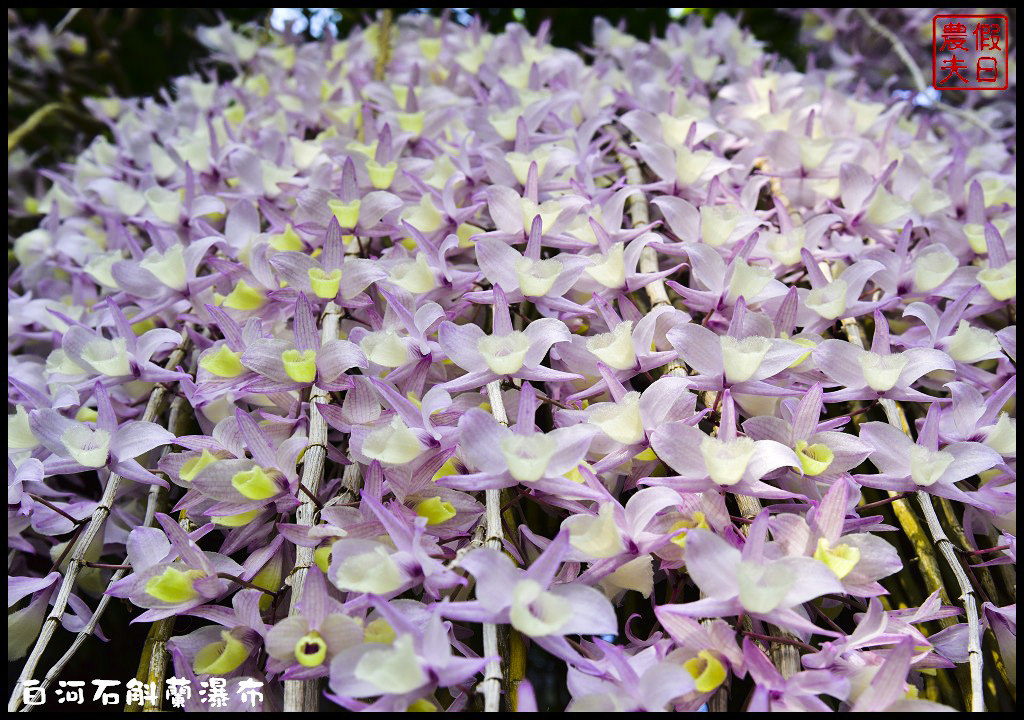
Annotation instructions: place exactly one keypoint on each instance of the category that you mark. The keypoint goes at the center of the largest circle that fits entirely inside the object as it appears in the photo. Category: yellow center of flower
(311, 649)
(287, 241)
(814, 459)
(220, 658)
(174, 586)
(322, 557)
(243, 297)
(194, 466)
(435, 510)
(840, 559)
(684, 526)
(86, 414)
(445, 470)
(235, 520)
(347, 213)
(381, 176)
(706, 670)
(504, 354)
(422, 705)
(223, 362)
(803, 342)
(325, 285)
(255, 484)
(299, 367)
(379, 631)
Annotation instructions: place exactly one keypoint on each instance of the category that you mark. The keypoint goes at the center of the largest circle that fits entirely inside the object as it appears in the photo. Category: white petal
(637, 574)
(86, 446)
(882, 371)
(615, 348)
(385, 348)
(504, 354)
(717, 223)
(393, 444)
(598, 537)
(536, 277)
(726, 460)
(370, 572)
(933, 267)
(621, 421)
(829, 301)
(1000, 282)
(748, 280)
(1002, 437)
(742, 358)
(393, 671)
(109, 357)
(762, 588)
(527, 456)
(537, 612)
(610, 271)
(19, 434)
(415, 276)
(169, 268)
(927, 466)
(969, 344)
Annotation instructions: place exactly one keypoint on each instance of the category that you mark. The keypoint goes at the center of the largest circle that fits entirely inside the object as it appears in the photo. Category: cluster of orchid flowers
(466, 214)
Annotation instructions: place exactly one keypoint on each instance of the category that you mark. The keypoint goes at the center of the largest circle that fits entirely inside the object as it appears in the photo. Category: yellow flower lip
(379, 631)
(435, 510)
(322, 557)
(244, 297)
(684, 526)
(194, 466)
(347, 213)
(236, 520)
(299, 367)
(814, 459)
(220, 658)
(224, 362)
(325, 284)
(381, 176)
(255, 484)
(286, 241)
(706, 670)
(840, 559)
(311, 649)
(173, 586)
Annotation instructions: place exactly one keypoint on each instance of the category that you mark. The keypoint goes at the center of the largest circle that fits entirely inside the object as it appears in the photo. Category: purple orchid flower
(306, 643)
(415, 659)
(505, 352)
(774, 693)
(704, 462)
(748, 581)
(170, 574)
(285, 365)
(646, 681)
(526, 276)
(907, 465)
(80, 446)
(529, 601)
(859, 560)
(878, 372)
(330, 277)
(504, 456)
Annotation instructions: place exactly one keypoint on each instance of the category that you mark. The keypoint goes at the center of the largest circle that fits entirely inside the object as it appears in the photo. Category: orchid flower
(81, 446)
(747, 581)
(906, 465)
(285, 365)
(170, 573)
(505, 352)
(704, 462)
